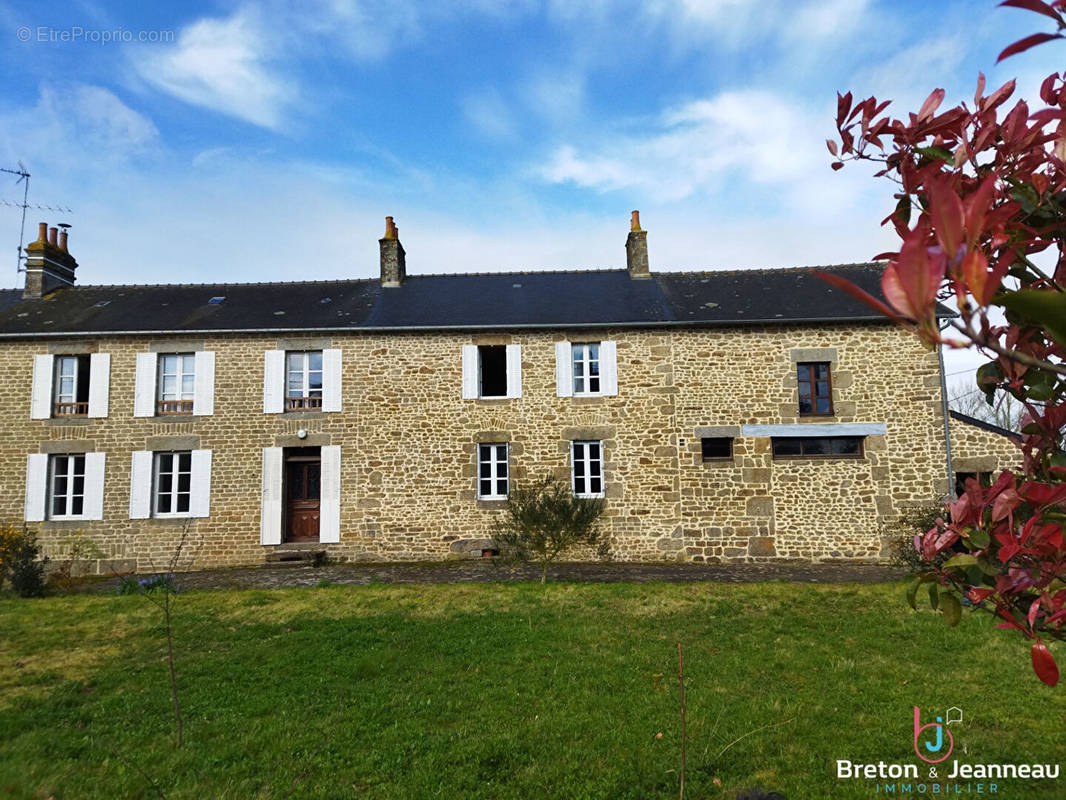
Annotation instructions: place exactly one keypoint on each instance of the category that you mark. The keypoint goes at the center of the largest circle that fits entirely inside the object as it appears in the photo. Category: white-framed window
(70, 385)
(303, 380)
(66, 486)
(586, 369)
(586, 469)
(168, 384)
(585, 357)
(172, 483)
(492, 371)
(176, 383)
(493, 471)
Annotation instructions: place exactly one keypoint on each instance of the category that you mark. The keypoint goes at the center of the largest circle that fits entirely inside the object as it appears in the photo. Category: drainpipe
(944, 412)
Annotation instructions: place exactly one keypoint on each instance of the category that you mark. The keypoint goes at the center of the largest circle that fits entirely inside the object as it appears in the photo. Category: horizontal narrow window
(817, 447)
(716, 448)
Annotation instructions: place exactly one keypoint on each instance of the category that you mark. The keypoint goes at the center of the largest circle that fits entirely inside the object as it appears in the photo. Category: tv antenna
(24, 179)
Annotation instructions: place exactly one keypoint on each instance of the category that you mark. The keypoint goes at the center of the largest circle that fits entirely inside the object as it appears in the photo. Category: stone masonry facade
(409, 443)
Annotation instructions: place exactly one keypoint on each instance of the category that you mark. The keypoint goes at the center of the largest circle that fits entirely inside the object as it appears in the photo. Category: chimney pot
(53, 234)
(637, 249)
(393, 258)
(63, 241)
(42, 228)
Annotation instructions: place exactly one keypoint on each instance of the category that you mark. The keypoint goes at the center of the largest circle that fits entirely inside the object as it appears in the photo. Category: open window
(492, 371)
(75, 385)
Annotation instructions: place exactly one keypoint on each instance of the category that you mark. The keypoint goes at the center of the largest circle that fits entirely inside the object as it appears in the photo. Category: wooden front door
(303, 480)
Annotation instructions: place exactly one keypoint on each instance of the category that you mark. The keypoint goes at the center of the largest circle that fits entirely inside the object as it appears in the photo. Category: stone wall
(409, 441)
(974, 449)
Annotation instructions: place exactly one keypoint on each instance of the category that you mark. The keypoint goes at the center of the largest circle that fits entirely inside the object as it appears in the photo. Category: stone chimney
(393, 258)
(637, 249)
(48, 264)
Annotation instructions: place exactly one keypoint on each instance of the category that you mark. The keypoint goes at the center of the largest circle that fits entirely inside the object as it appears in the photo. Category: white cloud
(694, 148)
(224, 65)
(74, 127)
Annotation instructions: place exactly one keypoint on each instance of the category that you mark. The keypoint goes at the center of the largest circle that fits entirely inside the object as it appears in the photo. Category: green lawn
(504, 691)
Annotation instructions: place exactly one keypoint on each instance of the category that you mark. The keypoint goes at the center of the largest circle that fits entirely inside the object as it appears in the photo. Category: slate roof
(426, 302)
(985, 426)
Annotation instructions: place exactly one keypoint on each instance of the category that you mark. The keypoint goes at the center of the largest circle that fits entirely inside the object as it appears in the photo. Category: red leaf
(1022, 45)
(979, 595)
(837, 165)
(993, 100)
(1005, 504)
(975, 275)
(977, 205)
(831, 145)
(1034, 5)
(843, 106)
(946, 211)
(1044, 663)
(931, 104)
(1034, 609)
(859, 294)
(1042, 494)
(980, 89)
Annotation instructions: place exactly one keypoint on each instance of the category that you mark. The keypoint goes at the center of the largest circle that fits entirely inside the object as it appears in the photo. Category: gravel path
(484, 571)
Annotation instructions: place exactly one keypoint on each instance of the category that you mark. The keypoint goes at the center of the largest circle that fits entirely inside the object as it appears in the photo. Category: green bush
(20, 563)
(912, 522)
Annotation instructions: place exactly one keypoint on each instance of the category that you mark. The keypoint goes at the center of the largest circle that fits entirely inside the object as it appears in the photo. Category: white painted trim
(144, 386)
(273, 382)
(331, 380)
(329, 519)
(141, 484)
(514, 371)
(93, 502)
(200, 484)
(827, 429)
(564, 370)
(36, 487)
(470, 372)
(270, 505)
(608, 369)
(203, 403)
(99, 384)
(41, 387)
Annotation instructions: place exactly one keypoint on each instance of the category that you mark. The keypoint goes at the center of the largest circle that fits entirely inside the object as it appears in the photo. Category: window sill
(68, 421)
(812, 414)
(302, 414)
(66, 523)
(171, 519)
(493, 401)
(492, 503)
(167, 418)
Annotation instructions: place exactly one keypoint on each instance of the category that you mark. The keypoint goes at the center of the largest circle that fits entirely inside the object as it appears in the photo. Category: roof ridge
(195, 285)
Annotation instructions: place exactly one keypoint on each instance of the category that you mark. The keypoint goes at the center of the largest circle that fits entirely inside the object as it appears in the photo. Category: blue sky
(266, 141)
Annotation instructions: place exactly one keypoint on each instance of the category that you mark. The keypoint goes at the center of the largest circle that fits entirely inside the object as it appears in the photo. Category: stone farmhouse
(751, 415)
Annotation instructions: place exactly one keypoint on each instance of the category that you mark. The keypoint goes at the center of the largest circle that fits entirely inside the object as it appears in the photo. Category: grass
(503, 691)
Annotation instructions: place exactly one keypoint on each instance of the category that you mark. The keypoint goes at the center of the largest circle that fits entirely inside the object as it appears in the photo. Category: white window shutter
(270, 510)
(99, 384)
(200, 484)
(514, 370)
(470, 372)
(93, 507)
(608, 368)
(203, 402)
(36, 486)
(141, 484)
(41, 388)
(331, 380)
(144, 386)
(273, 382)
(564, 370)
(329, 526)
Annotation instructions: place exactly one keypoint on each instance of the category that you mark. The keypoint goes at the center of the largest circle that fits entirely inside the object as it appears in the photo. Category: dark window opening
(492, 362)
(719, 448)
(71, 395)
(983, 478)
(487, 553)
(815, 389)
(817, 447)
